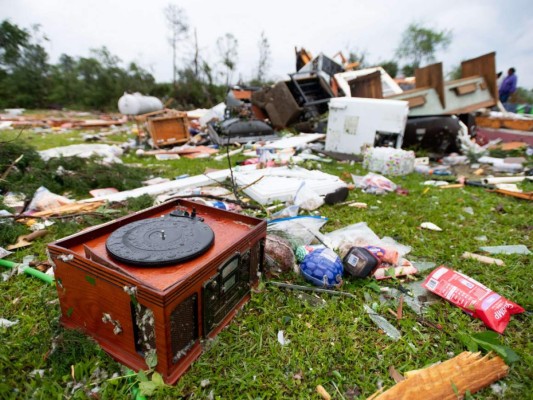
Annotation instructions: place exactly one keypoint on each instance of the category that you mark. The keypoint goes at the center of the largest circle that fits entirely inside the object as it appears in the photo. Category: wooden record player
(149, 287)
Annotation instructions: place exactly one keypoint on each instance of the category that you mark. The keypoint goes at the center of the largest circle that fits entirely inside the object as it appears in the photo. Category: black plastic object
(155, 242)
(337, 196)
(359, 262)
(235, 130)
(438, 134)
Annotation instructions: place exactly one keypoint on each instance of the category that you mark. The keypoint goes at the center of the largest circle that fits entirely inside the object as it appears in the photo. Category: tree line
(29, 80)
(96, 82)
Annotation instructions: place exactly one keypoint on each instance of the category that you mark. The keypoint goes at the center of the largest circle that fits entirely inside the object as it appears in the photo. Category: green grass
(333, 343)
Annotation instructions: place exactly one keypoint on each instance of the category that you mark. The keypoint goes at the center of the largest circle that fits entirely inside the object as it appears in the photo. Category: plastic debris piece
(423, 265)
(472, 297)
(435, 183)
(483, 259)
(44, 200)
(39, 226)
(469, 210)
(358, 205)
(482, 238)
(307, 199)
(5, 323)
(374, 183)
(287, 212)
(4, 252)
(281, 339)
(109, 154)
(299, 230)
(413, 302)
(322, 267)
(405, 268)
(511, 249)
(430, 226)
(383, 324)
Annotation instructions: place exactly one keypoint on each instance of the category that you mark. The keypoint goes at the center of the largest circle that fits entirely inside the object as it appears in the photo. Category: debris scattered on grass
(323, 392)
(430, 226)
(394, 374)
(5, 323)
(472, 297)
(483, 259)
(467, 372)
(281, 339)
(383, 324)
(358, 205)
(4, 252)
(510, 249)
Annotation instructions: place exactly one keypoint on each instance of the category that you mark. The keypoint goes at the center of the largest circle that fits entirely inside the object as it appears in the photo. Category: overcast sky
(135, 30)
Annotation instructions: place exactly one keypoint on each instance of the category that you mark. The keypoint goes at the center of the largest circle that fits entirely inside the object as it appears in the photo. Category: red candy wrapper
(472, 297)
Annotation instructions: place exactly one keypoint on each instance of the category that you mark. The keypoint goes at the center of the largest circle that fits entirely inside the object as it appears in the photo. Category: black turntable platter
(155, 242)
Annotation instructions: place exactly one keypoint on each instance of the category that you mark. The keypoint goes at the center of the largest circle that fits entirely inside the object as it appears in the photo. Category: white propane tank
(136, 103)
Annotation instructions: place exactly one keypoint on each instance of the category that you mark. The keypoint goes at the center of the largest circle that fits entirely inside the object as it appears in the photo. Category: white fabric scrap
(109, 154)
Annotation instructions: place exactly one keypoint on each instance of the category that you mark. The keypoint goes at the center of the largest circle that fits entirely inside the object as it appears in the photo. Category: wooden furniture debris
(431, 76)
(166, 127)
(448, 380)
(506, 123)
(474, 90)
(69, 209)
(368, 86)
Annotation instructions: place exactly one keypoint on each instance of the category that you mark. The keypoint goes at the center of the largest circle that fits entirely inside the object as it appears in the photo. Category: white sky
(135, 30)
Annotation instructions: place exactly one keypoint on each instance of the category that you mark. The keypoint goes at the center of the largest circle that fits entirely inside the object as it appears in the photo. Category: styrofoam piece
(172, 186)
(295, 141)
(388, 85)
(354, 122)
(281, 184)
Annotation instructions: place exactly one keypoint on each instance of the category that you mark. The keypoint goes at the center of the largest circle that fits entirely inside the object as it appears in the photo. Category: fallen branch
(6, 172)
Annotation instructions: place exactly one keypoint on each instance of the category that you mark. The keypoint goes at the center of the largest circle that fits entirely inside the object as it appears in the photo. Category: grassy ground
(332, 342)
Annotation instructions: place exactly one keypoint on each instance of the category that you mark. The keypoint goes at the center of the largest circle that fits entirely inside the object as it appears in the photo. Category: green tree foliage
(227, 46)
(263, 64)
(420, 43)
(360, 56)
(455, 72)
(191, 91)
(28, 80)
(24, 68)
(96, 82)
(178, 26)
(391, 67)
(523, 95)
